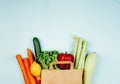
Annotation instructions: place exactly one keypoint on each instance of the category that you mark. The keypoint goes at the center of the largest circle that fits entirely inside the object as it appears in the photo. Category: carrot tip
(27, 48)
(18, 55)
(25, 58)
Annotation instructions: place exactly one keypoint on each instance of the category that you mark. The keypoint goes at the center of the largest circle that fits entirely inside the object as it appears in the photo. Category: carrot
(31, 60)
(22, 67)
(30, 76)
(30, 56)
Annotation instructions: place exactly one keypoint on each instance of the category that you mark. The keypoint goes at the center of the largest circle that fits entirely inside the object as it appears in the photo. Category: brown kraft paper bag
(70, 76)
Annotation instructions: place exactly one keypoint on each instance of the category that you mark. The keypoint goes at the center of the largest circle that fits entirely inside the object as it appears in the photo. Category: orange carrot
(27, 66)
(30, 56)
(31, 60)
(22, 67)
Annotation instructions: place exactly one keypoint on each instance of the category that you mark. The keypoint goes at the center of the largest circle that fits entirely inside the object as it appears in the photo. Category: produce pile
(32, 65)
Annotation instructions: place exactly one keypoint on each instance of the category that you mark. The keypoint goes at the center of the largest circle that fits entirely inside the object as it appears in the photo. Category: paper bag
(70, 76)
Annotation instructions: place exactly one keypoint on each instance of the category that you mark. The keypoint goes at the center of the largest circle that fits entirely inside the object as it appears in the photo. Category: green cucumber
(37, 46)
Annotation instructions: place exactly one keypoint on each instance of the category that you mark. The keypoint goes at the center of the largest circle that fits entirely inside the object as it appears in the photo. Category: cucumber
(37, 46)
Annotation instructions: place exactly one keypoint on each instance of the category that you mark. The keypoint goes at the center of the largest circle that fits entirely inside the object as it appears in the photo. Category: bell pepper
(65, 57)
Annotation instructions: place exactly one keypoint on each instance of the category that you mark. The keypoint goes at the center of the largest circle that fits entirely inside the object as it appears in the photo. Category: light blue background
(54, 22)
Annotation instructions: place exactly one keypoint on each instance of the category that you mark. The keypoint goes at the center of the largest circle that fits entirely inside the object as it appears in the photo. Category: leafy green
(46, 57)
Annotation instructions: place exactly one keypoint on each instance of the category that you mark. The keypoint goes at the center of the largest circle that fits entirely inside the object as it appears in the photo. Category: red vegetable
(65, 57)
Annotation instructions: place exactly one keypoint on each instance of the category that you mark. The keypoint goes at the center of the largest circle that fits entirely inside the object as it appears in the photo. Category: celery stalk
(82, 56)
(77, 58)
(76, 40)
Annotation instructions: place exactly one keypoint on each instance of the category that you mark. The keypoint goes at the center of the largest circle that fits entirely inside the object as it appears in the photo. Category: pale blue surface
(54, 22)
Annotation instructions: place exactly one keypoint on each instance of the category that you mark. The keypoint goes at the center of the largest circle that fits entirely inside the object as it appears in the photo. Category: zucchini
(37, 46)
(89, 68)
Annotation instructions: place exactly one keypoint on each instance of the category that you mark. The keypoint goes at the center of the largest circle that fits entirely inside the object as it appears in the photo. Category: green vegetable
(89, 68)
(46, 57)
(75, 46)
(37, 46)
(83, 54)
(79, 52)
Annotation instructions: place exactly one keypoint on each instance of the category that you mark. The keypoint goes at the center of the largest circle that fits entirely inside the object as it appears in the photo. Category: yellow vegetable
(35, 69)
